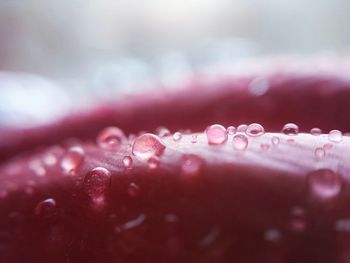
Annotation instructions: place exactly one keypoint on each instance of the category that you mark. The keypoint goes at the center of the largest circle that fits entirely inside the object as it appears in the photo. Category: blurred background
(55, 51)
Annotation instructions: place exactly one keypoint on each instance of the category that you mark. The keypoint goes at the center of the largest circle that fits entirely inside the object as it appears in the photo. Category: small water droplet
(171, 218)
(194, 138)
(72, 160)
(216, 134)
(127, 162)
(147, 145)
(240, 142)
(265, 146)
(275, 140)
(177, 136)
(97, 181)
(315, 131)
(324, 183)
(46, 208)
(328, 146)
(255, 130)
(162, 132)
(242, 128)
(290, 129)
(49, 159)
(191, 164)
(37, 167)
(133, 190)
(153, 162)
(297, 221)
(272, 235)
(110, 138)
(320, 153)
(231, 130)
(335, 136)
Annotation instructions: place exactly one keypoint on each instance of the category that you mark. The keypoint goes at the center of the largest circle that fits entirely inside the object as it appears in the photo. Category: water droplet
(46, 208)
(290, 129)
(177, 136)
(133, 190)
(97, 181)
(259, 86)
(255, 130)
(153, 162)
(297, 221)
(242, 128)
(110, 138)
(335, 136)
(72, 160)
(231, 130)
(315, 131)
(240, 142)
(49, 159)
(216, 134)
(162, 132)
(194, 138)
(275, 140)
(324, 183)
(191, 164)
(265, 146)
(37, 167)
(171, 218)
(148, 145)
(272, 235)
(127, 162)
(320, 153)
(328, 146)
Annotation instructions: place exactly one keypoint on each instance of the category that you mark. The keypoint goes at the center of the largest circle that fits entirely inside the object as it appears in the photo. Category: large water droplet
(46, 208)
(320, 153)
(255, 130)
(191, 164)
(216, 134)
(97, 181)
(72, 160)
(110, 138)
(335, 136)
(148, 145)
(315, 131)
(231, 130)
(240, 142)
(324, 183)
(177, 136)
(290, 129)
(127, 162)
